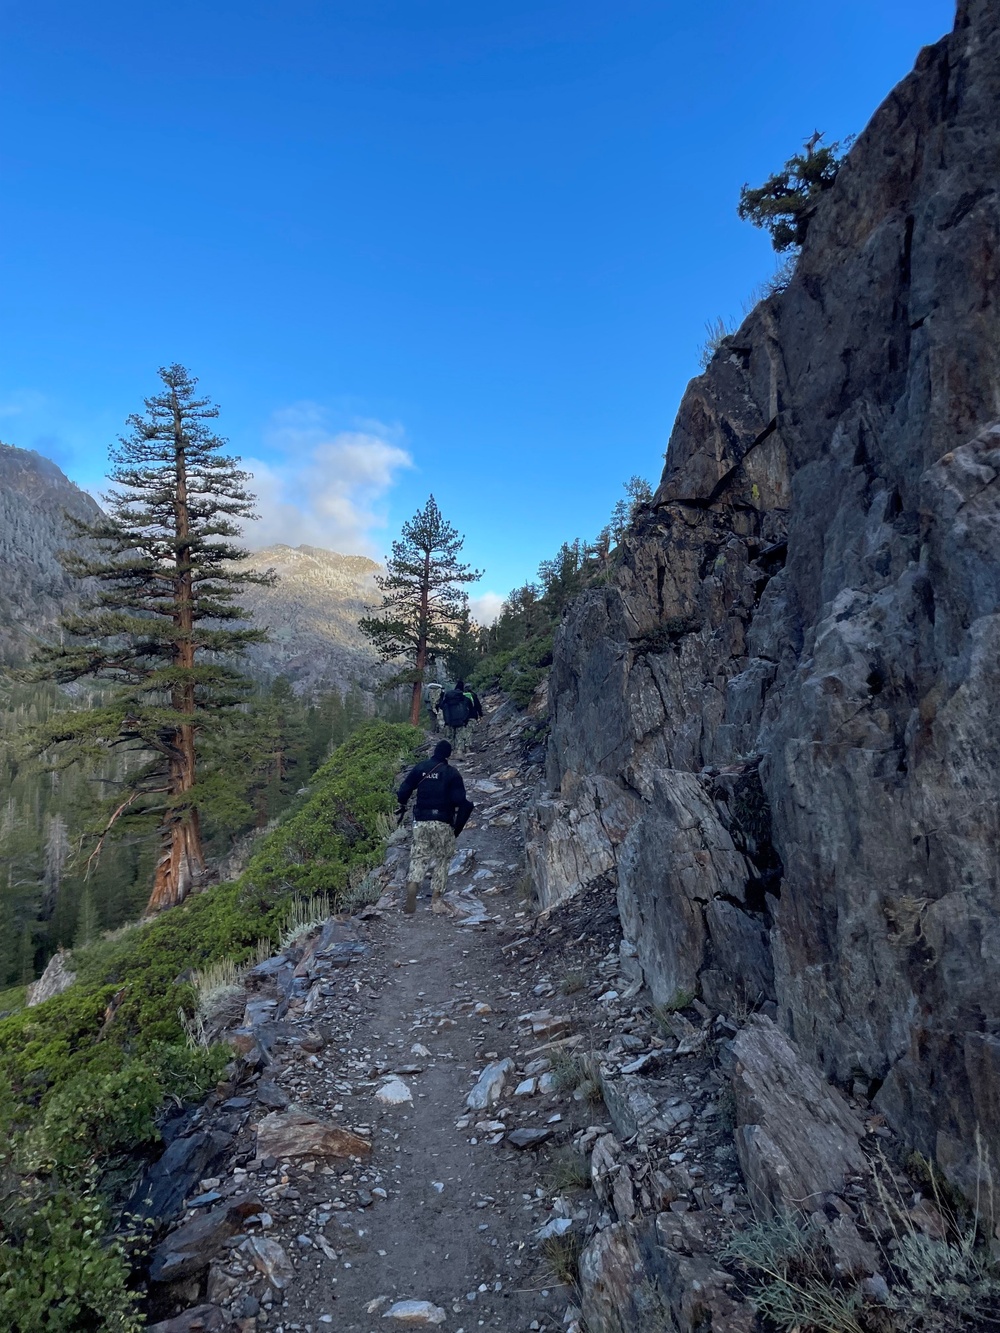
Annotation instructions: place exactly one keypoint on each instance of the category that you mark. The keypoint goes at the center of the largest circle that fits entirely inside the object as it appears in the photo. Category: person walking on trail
(458, 707)
(433, 693)
(440, 811)
(476, 716)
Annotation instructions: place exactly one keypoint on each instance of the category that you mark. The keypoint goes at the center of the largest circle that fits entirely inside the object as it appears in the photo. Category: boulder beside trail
(190, 1248)
(294, 1134)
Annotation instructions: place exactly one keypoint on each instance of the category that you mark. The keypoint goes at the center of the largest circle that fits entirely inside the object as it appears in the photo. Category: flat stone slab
(796, 1137)
(528, 1138)
(415, 1312)
(291, 1134)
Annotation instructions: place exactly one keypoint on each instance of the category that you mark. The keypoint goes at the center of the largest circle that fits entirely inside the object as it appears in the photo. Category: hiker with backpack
(440, 812)
(459, 707)
(432, 696)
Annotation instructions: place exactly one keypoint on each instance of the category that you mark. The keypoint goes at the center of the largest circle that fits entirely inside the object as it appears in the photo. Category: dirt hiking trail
(451, 1210)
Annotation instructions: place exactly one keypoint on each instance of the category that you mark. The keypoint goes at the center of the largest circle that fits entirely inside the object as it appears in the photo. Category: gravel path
(451, 1214)
(445, 1210)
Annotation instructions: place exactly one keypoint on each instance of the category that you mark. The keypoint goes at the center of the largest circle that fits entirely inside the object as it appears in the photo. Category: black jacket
(456, 708)
(439, 788)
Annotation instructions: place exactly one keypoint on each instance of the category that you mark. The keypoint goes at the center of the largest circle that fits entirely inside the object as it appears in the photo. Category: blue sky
(407, 245)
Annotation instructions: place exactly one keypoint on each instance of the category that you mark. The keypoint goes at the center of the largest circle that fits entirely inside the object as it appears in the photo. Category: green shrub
(131, 986)
(59, 1273)
(338, 827)
(88, 1118)
(517, 671)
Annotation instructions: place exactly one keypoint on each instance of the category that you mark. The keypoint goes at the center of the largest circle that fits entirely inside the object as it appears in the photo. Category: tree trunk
(183, 862)
(422, 629)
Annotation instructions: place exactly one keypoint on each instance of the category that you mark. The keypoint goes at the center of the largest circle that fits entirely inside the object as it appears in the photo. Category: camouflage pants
(433, 842)
(458, 737)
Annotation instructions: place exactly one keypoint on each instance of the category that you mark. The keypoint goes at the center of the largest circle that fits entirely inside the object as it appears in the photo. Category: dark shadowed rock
(271, 1096)
(528, 1138)
(193, 1245)
(186, 1161)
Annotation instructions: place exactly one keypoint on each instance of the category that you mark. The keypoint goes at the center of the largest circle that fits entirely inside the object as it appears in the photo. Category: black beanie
(442, 750)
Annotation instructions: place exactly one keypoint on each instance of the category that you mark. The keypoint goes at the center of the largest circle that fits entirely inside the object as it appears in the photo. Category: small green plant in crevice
(717, 332)
(364, 891)
(744, 1007)
(573, 1072)
(562, 1254)
(794, 1285)
(661, 1013)
(573, 982)
(569, 1171)
(666, 635)
(726, 1104)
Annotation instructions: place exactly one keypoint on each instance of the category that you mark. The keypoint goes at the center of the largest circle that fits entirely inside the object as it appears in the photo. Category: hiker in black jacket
(439, 813)
(459, 707)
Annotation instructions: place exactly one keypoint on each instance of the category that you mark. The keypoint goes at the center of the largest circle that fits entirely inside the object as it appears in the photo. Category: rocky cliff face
(778, 730)
(34, 588)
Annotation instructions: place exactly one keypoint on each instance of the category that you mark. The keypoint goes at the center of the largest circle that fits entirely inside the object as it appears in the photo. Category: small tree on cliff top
(159, 622)
(786, 203)
(423, 602)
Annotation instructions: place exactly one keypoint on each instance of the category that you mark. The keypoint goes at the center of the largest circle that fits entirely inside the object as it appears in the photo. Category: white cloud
(323, 487)
(486, 607)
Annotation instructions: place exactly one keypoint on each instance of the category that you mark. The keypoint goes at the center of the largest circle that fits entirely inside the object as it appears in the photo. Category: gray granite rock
(790, 685)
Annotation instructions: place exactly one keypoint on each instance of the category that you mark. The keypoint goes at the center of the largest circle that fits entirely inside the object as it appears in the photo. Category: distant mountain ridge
(311, 614)
(35, 590)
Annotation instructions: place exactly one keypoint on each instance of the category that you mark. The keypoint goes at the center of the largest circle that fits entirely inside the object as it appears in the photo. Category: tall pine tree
(423, 602)
(159, 622)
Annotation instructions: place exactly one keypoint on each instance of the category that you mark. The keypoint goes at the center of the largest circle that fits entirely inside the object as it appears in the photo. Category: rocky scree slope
(478, 1120)
(777, 730)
